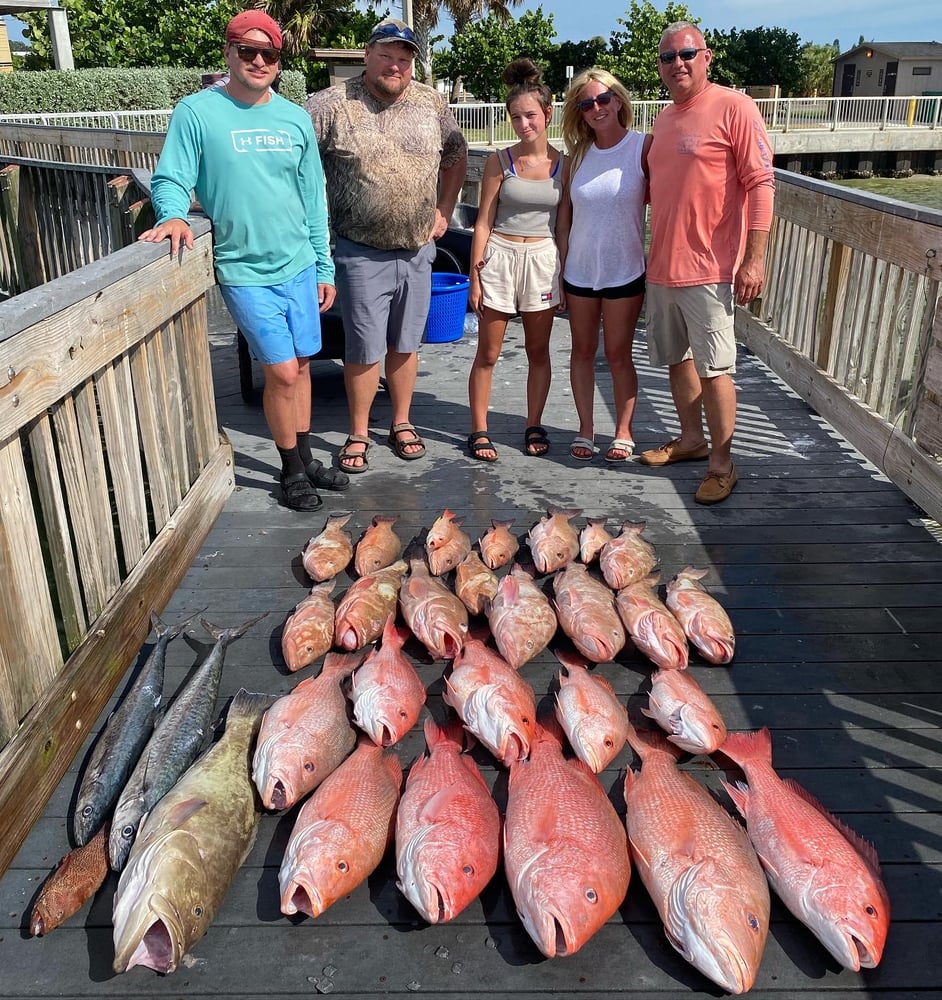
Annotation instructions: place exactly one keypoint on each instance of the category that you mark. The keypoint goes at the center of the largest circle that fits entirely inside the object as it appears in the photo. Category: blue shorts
(279, 322)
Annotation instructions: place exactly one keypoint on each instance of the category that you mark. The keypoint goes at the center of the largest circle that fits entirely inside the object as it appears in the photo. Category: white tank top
(606, 240)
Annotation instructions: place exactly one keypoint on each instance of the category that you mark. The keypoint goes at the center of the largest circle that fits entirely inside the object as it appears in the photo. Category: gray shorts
(697, 322)
(384, 298)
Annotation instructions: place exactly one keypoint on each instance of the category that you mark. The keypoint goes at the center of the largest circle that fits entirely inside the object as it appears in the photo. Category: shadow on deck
(832, 579)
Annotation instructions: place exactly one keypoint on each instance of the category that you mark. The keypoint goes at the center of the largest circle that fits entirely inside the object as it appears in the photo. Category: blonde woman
(514, 260)
(600, 233)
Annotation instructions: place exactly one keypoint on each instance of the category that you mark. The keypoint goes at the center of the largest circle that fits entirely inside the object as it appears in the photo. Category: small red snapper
(367, 603)
(652, 627)
(553, 540)
(702, 617)
(437, 618)
(330, 552)
(386, 692)
(495, 703)
(309, 630)
(628, 557)
(565, 851)
(684, 710)
(593, 538)
(78, 877)
(446, 544)
(342, 831)
(474, 583)
(698, 867)
(447, 828)
(594, 720)
(379, 546)
(586, 611)
(498, 546)
(521, 618)
(827, 875)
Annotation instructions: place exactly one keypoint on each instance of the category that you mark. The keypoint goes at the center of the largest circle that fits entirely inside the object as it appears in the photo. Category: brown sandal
(399, 445)
(346, 455)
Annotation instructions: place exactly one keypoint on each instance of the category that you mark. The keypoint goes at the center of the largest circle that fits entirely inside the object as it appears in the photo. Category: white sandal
(620, 444)
(582, 443)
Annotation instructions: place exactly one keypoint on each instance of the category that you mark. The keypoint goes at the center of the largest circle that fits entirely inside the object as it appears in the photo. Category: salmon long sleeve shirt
(711, 182)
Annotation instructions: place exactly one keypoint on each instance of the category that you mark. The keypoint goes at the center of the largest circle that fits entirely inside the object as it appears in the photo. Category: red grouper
(447, 828)
(826, 874)
(78, 877)
(565, 851)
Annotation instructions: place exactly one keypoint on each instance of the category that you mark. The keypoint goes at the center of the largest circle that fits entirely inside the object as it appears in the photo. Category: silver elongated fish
(173, 745)
(189, 848)
(123, 737)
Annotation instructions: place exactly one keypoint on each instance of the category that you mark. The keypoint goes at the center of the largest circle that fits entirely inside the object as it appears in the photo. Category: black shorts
(628, 291)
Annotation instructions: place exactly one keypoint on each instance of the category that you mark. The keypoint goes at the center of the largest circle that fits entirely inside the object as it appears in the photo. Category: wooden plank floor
(833, 583)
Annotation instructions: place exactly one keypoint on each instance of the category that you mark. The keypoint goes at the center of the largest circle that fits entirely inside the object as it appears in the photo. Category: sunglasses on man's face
(248, 53)
(588, 103)
(688, 55)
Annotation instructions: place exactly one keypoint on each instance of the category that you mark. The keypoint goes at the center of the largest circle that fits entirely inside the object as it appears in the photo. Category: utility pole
(407, 12)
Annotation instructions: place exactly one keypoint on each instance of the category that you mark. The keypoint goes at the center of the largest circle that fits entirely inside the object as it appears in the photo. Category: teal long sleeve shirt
(257, 173)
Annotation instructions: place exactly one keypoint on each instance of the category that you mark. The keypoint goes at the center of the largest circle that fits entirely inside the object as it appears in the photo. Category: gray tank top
(527, 207)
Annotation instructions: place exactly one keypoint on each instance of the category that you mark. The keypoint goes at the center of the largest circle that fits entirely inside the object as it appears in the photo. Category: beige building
(889, 69)
(6, 56)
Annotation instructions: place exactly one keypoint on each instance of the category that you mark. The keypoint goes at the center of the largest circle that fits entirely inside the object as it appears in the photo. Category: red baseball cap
(244, 22)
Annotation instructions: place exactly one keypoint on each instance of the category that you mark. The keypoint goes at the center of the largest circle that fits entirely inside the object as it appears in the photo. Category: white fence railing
(487, 124)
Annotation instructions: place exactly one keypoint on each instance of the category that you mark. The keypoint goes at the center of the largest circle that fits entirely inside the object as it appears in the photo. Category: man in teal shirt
(252, 159)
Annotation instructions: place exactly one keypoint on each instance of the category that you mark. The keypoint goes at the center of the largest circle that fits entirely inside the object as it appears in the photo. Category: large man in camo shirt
(395, 161)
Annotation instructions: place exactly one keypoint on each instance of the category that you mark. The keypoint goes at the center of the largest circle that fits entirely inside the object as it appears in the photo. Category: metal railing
(487, 124)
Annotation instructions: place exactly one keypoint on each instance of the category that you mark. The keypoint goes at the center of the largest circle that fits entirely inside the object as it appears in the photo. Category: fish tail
(338, 518)
(502, 524)
(439, 734)
(229, 635)
(567, 512)
(646, 742)
(249, 704)
(749, 748)
(385, 519)
(341, 665)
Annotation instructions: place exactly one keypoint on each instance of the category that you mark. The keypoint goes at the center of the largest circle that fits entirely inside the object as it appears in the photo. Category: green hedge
(51, 91)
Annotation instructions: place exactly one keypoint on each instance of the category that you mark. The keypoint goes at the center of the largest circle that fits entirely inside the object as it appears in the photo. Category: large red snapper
(386, 692)
(447, 828)
(330, 552)
(498, 545)
(827, 875)
(379, 547)
(367, 603)
(474, 583)
(342, 831)
(305, 735)
(702, 617)
(521, 618)
(553, 540)
(565, 853)
(78, 877)
(309, 630)
(437, 618)
(627, 557)
(446, 544)
(586, 611)
(683, 709)
(494, 702)
(594, 720)
(652, 627)
(698, 867)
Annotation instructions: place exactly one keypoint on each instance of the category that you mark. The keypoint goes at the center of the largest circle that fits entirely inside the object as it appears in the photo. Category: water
(920, 189)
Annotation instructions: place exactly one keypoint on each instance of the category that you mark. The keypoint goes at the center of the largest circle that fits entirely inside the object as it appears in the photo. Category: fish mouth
(300, 898)
(514, 749)
(278, 796)
(157, 948)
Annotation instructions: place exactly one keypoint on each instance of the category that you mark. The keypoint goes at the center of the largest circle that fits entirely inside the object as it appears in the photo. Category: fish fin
(249, 704)
(569, 658)
(744, 748)
(340, 665)
(229, 635)
(181, 812)
(738, 791)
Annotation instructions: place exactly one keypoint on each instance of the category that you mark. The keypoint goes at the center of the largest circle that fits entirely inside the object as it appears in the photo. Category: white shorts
(520, 277)
(696, 321)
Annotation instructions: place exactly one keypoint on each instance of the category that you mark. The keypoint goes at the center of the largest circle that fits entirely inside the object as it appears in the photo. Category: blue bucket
(447, 310)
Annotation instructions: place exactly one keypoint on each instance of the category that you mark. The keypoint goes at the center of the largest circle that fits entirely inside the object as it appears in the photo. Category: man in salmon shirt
(712, 189)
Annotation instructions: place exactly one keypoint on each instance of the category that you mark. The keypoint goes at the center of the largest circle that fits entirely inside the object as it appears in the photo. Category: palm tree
(425, 19)
(303, 22)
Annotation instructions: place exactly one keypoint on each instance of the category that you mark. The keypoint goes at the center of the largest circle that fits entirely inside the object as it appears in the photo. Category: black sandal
(298, 493)
(479, 442)
(326, 479)
(534, 437)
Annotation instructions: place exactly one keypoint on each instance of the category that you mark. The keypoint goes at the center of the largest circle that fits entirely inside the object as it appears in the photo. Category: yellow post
(911, 116)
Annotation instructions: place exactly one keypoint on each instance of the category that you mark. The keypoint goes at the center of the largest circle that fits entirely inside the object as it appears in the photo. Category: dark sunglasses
(688, 55)
(393, 31)
(588, 103)
(247, 54)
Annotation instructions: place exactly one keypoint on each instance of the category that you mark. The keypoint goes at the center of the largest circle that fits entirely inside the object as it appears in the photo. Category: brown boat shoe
(716, 486)
(670, 452)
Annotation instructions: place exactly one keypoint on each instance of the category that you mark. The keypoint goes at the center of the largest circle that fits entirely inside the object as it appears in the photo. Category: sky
(819, 21)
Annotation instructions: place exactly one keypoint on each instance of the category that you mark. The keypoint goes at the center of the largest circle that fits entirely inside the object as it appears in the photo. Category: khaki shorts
(520, 277)
(692, 322)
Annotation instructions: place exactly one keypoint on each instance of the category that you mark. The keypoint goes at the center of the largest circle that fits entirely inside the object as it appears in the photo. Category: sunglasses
(388, 31)
(588, 103)
(688, 55)
(247, 54)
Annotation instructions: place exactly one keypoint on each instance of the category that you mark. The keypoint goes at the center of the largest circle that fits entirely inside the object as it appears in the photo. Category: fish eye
(591, 895)
(197, 911)
(871, 911)
(127, 831)
(87, 811)
(343, 866)
(753, 921)
(468, 870)
(402, 713)
(609, 743)
(308, 766)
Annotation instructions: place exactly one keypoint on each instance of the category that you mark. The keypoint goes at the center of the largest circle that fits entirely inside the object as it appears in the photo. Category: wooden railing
(112, 472)
(851, 318)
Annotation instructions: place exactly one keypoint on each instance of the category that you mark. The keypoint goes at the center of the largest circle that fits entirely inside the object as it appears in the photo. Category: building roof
(899, 50)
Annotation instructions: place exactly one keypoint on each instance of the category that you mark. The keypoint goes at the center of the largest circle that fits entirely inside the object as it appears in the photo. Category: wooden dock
(833, 580)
